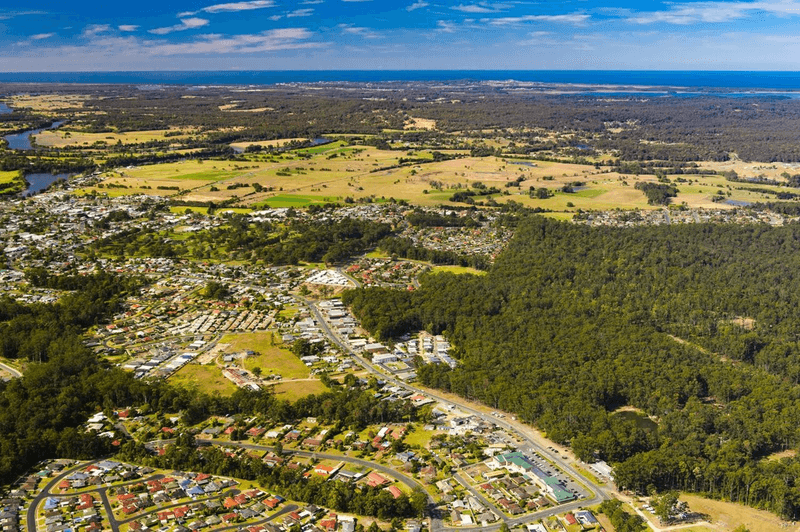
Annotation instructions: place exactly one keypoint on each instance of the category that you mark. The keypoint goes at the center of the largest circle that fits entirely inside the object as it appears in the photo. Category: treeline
(291, 243)
(406, 249)
(36, 332)
(657, 193)
(289, 483)
(40, 413)
(420, 218)
(695, 325)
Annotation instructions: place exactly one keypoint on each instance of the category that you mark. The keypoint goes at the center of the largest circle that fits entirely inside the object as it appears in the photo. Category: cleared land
(336, 171)
(456, 270)
(60, 138)
(208, 379)
(727, 516)
(291, 391)
(272, 359)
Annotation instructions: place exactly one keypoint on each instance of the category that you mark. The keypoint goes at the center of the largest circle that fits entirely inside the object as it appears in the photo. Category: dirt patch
(420, 123)
(727, 516)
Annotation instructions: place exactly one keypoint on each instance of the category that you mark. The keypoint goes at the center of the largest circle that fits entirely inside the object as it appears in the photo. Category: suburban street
(531, 441)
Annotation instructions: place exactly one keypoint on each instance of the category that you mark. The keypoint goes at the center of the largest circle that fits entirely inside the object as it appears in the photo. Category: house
(376, 479)
(395, 491)
(322, 469)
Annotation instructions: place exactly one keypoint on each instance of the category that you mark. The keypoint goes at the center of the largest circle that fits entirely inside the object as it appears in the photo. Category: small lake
(524, 163)
(5, 110)
(22, 141)
(738, 203)
(39, 182)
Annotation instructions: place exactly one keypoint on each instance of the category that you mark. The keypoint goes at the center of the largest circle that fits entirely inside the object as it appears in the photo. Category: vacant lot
(727, 516)
(272, 359)
(207, 379)
(292, 391)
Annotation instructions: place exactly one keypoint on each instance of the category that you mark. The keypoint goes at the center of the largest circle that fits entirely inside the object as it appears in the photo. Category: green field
(292, 391)
(207, 379)
(290, 200)
(323, 148)
(9, 176)
(458, 270)
(272, 359)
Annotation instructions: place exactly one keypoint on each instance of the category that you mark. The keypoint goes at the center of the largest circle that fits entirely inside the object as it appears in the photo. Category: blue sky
(412, 34)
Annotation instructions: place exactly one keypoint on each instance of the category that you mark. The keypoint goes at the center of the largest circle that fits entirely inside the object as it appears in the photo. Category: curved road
(14, 372)
(597, 494)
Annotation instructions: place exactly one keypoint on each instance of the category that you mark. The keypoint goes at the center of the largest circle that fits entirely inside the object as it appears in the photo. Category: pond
(5, 110)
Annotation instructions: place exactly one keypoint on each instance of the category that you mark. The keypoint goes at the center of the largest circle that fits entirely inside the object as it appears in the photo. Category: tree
(664, 504)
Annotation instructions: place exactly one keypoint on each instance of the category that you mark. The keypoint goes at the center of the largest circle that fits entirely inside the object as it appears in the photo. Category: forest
(695, 326)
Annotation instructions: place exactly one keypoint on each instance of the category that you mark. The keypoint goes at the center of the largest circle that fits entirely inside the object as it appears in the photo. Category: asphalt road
(408, 481)
(596, 494)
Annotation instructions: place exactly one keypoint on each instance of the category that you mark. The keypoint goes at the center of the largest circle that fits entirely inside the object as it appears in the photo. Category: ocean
(711, 81)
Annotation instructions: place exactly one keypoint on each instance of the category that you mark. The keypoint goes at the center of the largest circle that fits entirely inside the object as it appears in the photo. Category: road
(596, 493)
(11, 370)
(408, 481)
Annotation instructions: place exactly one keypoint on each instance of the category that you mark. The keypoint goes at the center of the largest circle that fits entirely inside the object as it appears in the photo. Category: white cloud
(300, 13)
(276, 17)
(5, 15)
(419, 4)
(572, 18)
(445, 26)
(128, 27)
(239, 6)
(481, 7)
(186, 24)
(40, 36)
(204, 45)
(349, 29)
(715, 12)
(93, 29)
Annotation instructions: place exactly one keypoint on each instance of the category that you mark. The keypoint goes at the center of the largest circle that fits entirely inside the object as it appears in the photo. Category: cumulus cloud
(186, 24)
(40, 36)
(417, 5)
(128, 27)
(93, 29)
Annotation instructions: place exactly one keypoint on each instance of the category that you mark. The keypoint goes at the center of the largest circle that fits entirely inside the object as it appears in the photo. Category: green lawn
(458, 270)
(206, 379)
(272, 359)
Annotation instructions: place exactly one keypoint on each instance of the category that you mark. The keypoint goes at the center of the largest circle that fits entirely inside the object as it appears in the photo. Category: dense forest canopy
(696, 325)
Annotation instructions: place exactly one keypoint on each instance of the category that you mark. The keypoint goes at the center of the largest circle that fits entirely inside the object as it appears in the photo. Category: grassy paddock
(207, 379)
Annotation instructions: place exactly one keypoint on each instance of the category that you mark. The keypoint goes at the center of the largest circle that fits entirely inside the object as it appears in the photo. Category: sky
(112, 35)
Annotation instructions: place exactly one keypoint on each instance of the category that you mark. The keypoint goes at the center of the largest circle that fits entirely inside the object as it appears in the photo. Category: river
(22, 141)
(39, 182)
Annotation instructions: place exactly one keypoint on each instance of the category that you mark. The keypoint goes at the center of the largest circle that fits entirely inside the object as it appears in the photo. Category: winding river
(22, 141)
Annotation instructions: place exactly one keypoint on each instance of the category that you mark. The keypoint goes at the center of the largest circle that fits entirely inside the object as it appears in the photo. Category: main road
(597, 494)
